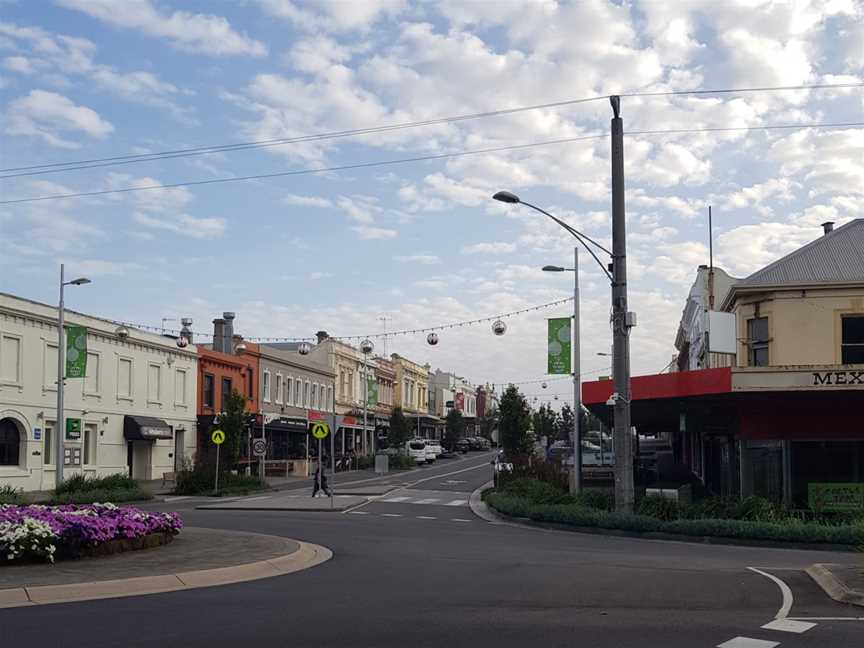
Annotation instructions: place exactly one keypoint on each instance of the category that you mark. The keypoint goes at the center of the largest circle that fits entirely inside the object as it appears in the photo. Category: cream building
(133, 413)
(412, 395)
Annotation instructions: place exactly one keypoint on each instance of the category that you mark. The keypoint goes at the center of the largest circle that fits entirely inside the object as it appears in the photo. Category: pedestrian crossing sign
(320, 430)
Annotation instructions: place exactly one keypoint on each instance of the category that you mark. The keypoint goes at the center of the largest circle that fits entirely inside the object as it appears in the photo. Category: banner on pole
(372, 393)
(76, 351)
(558, 353)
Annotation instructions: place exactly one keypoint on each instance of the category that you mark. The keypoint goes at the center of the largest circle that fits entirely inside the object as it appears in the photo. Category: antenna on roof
(710, 260)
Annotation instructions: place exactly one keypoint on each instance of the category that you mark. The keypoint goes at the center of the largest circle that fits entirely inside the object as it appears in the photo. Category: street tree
(515, 423)
(545, 423)
(564, 426)
(398, 433)
(232, 421)
(487, 423)
(455, 428)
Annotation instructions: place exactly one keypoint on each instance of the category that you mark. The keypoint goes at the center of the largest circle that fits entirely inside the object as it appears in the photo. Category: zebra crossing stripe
(457, 503)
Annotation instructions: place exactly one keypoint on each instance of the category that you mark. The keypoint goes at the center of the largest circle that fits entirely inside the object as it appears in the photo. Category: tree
(514, 423)
(232, 421)
(487, 424)
(545, 423)
(398, 433)
(564, 428)
(455, 428)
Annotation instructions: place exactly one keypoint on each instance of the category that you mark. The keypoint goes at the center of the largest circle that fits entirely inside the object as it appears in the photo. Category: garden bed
(48, 533)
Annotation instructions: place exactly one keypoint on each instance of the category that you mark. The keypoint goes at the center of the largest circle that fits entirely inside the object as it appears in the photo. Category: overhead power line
(57, 167)
(419, 158)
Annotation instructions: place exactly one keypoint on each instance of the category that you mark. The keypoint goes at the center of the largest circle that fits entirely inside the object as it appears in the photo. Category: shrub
(11, 495)
(79, 483)
(659, 507)
(402, 462)
(759, 508)
(596, 499)
(201, 479)
(101, 495)
(536, 491)
(364, 461)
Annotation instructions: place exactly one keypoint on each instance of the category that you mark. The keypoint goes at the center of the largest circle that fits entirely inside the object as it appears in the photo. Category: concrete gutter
(833, 584)
(307, 555)
(480, 508)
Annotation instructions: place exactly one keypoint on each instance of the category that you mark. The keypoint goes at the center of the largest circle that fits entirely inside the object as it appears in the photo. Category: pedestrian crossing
(426, 498)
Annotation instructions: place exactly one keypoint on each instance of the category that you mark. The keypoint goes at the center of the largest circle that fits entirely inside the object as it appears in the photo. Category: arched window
(10, 443)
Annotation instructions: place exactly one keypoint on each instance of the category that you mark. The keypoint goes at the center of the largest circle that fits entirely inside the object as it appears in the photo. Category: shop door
(179, 437)
(141, 459)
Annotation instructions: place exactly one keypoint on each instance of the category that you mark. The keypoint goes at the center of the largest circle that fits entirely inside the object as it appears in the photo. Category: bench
(169, 477)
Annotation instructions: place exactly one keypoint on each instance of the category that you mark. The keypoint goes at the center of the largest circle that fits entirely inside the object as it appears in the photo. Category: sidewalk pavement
(196, 558)
(843, 583)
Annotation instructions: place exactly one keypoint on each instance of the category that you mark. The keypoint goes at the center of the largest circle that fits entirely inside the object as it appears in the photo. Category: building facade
(450, 391)
(411, 393)
(132, 413)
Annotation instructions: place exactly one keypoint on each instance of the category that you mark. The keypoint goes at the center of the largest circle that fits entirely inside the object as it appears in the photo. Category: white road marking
(457, 503)
(789, 625)
(178, 499)
(261, 497)
(783, 612)
(359, 512)
(428, 500)
(391, 514)
(396, 499)
(747, 642)
(459, 520)
(426, 517)
(827, 618)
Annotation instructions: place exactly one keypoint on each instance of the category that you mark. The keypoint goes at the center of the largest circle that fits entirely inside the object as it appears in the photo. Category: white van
(416, 450)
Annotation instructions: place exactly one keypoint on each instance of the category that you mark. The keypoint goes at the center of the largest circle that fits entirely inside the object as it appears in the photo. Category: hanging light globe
(544, 385)
(499, 327)
(304, 348)
(366, 346)
(432, 339)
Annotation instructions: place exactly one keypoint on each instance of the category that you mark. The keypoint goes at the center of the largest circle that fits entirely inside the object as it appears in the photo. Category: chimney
(321, 335)
(186, 331)
(228, 335)
(218, 333)
(828, 227)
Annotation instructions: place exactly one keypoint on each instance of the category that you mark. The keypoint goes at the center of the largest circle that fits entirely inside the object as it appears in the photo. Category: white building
(133, 413)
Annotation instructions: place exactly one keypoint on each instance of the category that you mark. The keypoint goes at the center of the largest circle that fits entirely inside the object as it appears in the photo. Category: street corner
(843, 583)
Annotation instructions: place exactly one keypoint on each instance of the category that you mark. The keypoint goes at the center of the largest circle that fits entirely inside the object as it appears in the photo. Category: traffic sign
(259, 447)
(218, 437)
(320, 430)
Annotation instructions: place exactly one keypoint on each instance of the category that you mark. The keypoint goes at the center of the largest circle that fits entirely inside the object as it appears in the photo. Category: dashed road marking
(460, 520)
(456, 503)
(747, 642)
(391, 515)
(359, 512)
(789, 625)
(428, 500)
(396, 499)
(426, 517)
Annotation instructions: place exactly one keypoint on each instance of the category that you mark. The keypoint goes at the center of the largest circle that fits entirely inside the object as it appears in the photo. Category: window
(10, 359)
(90, 444)
(289, 389)
(124, 378)
(91, 378)
(279, 388)
(10, 443)
(343, 385)
(329, 403)
(250, 384)
(405, 397)
(314, 403)
(49, 371)
(207, 390)
(852, 346)
(757, 335)
(180, 387)
(226, 392)
(266, 386)
(47, 443)
(297, 388)
(154, 383)
(306, 394)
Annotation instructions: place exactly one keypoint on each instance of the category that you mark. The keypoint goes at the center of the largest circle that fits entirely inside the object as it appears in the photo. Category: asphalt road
(417, 568)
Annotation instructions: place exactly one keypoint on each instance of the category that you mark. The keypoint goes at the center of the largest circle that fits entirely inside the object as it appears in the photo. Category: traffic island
(196, 558)
(843, 583)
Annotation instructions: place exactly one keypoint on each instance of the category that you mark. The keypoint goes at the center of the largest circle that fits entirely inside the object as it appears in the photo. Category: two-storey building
(133, 412)
(411, 393)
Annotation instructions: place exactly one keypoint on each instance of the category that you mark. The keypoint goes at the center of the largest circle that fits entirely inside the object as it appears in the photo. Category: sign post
(218, 438)
(320, 430)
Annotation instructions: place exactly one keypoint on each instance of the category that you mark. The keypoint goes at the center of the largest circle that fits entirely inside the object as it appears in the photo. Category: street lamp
(60, 425)
(507, 197)
(366, 347)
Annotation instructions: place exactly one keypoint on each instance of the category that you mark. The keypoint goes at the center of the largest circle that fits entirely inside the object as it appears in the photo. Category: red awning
(680, 384)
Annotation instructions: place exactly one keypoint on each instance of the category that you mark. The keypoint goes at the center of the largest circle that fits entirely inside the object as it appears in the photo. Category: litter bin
(382, 463)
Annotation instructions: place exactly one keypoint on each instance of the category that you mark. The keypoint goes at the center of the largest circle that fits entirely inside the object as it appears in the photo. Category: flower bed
(38, 532)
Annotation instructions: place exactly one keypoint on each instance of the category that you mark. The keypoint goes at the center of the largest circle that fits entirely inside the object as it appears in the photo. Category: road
(417, 568)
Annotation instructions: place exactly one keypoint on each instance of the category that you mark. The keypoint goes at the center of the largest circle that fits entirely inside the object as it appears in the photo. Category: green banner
(76, 351)
(559, 346)
(835, 497)
(373, 391)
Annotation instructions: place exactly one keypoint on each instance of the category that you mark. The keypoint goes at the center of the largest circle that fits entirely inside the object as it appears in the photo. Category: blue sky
(421, 243)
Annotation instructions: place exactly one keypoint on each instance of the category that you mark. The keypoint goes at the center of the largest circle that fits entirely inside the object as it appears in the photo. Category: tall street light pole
(621, 323)
(507, 197)
(366, 347)
(60, 424)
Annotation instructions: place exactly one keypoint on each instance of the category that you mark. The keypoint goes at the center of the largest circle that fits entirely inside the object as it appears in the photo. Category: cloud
(193, 32)
(98, 268)
(422, 259)
(359, 208)
(152, 200)
(333, 15)
(489, 248)
(199, 228)
(314, 276)
(367, 233)
(748, 248)
(19, 64)
(46, 114)
(307, 201)
(431, 284)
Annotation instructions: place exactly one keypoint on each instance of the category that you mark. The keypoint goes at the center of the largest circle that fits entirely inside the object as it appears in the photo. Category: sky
(420, 243)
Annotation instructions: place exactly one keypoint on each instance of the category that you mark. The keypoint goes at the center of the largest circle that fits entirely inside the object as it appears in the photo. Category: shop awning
(145, 428)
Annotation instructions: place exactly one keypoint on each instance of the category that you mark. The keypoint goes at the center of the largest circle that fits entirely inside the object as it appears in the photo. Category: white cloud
(99, 268)
(315, 276)
(431, 284)
(333, 15)
(422, 259)
(748, 248)
(194, 32)
(46, 114)
(152, 200)
(498, 247)
(307, 201)
(19, 64)
(361, 209)
(366, 233)
(199, 228)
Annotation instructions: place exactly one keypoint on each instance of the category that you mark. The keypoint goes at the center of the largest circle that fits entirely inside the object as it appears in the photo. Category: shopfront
(141, 434)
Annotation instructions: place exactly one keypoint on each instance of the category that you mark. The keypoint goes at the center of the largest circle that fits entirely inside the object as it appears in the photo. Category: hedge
(789, 530)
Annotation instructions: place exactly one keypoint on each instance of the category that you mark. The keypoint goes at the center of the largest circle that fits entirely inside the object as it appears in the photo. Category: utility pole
(624, 488)
(576, 473)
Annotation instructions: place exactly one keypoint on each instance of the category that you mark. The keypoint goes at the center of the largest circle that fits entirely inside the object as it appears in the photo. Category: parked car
(416, 450)
(463, 446)
(431, 453)
(436, 446)
(475, 443)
